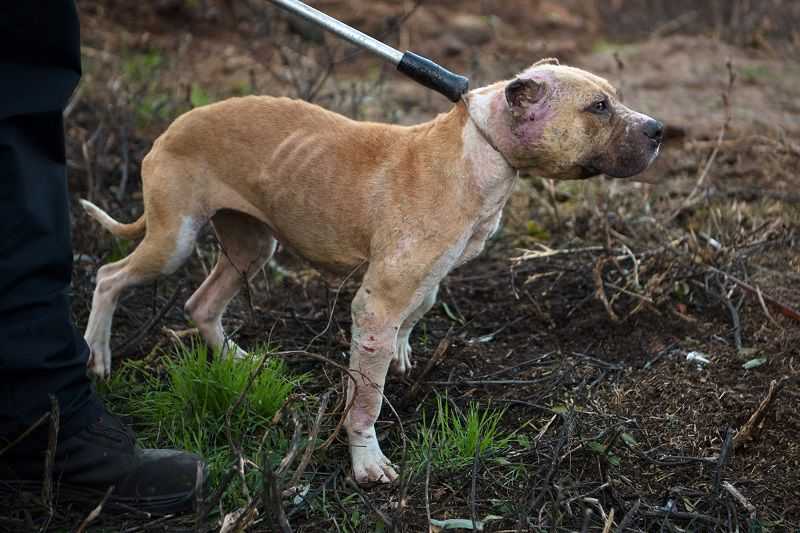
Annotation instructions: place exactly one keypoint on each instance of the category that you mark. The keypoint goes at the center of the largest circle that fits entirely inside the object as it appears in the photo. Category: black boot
(102, 455)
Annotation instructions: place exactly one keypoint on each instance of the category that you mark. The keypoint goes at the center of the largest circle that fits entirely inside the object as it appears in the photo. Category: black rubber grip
(426, 72)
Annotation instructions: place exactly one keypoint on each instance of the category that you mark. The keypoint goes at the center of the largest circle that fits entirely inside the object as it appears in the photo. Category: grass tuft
(184, 403)
(451, 439)
(204, 388)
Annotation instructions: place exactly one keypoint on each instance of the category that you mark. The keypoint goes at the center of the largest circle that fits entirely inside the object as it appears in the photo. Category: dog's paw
(401, 362)
(371, 466)
(98, 365)
(231, 349)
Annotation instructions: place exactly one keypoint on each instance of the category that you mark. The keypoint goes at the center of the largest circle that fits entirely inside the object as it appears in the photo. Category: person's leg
(41, 353)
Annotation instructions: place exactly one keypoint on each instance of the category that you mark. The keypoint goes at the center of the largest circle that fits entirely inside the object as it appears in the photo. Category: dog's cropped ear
(547, 61)
(522, 92)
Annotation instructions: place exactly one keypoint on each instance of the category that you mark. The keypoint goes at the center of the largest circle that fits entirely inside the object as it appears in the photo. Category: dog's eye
(600, 107)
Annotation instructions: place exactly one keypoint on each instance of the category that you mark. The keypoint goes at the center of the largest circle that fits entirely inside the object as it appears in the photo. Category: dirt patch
(692, 70)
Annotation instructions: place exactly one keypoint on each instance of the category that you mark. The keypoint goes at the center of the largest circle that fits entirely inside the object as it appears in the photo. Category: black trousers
(41, 353)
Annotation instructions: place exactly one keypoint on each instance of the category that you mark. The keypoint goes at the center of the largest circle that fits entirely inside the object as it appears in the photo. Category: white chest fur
(477, 242)
(491, 177)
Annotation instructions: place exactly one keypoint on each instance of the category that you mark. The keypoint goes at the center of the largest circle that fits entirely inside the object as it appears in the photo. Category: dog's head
(565, 123)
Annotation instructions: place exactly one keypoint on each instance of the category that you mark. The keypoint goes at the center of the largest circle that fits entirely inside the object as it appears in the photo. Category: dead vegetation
(640, 339)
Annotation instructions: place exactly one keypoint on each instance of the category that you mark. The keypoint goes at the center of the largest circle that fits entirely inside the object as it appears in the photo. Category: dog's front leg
(376, 321)
(401, 363)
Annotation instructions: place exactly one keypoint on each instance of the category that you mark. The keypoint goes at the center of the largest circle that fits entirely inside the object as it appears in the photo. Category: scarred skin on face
(566, 123)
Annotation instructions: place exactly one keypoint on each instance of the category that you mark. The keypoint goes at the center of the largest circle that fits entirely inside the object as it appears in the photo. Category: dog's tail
(133, 230)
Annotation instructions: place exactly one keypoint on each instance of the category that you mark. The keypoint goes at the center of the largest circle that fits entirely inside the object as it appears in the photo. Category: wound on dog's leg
(372, 348)
(369, 462)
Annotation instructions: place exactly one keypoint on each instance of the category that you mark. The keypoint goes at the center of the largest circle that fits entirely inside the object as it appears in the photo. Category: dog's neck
(487, 163)
(481, 124)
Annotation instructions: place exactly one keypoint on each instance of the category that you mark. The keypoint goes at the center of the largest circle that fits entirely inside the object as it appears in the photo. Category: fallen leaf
(754, 363)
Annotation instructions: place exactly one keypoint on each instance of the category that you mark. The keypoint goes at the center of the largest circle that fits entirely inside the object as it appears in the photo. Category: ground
(625, 330)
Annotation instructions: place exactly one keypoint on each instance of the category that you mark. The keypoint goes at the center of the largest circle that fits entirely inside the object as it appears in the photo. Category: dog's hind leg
(167, 244)
(401, 363)
(246, 244)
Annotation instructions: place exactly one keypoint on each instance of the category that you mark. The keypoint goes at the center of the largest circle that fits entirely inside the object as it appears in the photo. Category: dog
(408, 203)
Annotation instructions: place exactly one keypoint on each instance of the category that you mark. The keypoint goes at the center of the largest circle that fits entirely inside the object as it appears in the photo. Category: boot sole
(76, 496)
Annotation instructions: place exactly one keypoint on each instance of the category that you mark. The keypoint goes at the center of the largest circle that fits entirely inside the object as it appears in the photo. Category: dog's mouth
(656, 150)
(624, 163)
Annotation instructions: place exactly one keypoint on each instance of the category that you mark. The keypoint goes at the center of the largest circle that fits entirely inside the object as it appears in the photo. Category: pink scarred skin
(535, 116)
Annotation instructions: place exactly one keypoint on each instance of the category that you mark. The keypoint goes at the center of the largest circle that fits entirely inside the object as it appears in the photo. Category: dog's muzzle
(631, 150)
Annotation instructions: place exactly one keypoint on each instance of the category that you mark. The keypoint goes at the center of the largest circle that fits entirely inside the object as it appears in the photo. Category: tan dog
(411, 203)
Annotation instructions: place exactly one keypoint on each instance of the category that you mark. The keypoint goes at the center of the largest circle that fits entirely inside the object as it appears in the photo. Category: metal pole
(418, 68)
(342, 30)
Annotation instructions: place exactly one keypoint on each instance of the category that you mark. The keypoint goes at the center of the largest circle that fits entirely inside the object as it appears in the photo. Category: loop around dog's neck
(486, 136)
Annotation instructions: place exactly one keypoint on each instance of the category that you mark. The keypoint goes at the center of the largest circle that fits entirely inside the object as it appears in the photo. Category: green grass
(199, 97)
(206, 390)
(537, 231)
(183, 403)
(755, 73)
(120, 249)
(152, 101)
(451, 439)
(154, 107)
(142, 67)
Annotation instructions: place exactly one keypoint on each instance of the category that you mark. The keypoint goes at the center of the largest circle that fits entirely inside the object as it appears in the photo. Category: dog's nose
(654, 130)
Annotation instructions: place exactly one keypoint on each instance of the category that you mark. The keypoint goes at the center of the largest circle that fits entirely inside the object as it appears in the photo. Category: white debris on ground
(698, 357)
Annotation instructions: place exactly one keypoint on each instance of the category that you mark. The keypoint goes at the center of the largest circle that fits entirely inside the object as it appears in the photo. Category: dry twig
(473, 507)
(49, 459)
(209, 503)
(92, 516)
(609, 521)
(726, 102)
(629, 517)
(312, 438)
(129, 345)
(784, 309)
(25, 433)
(271, 499)
(386, 520)
(724, 453)
(739, 497)
(752, 428)
(438, 355)
(600, 291)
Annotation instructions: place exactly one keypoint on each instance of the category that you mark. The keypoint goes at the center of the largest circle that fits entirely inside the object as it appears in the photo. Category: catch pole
(418, 68)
